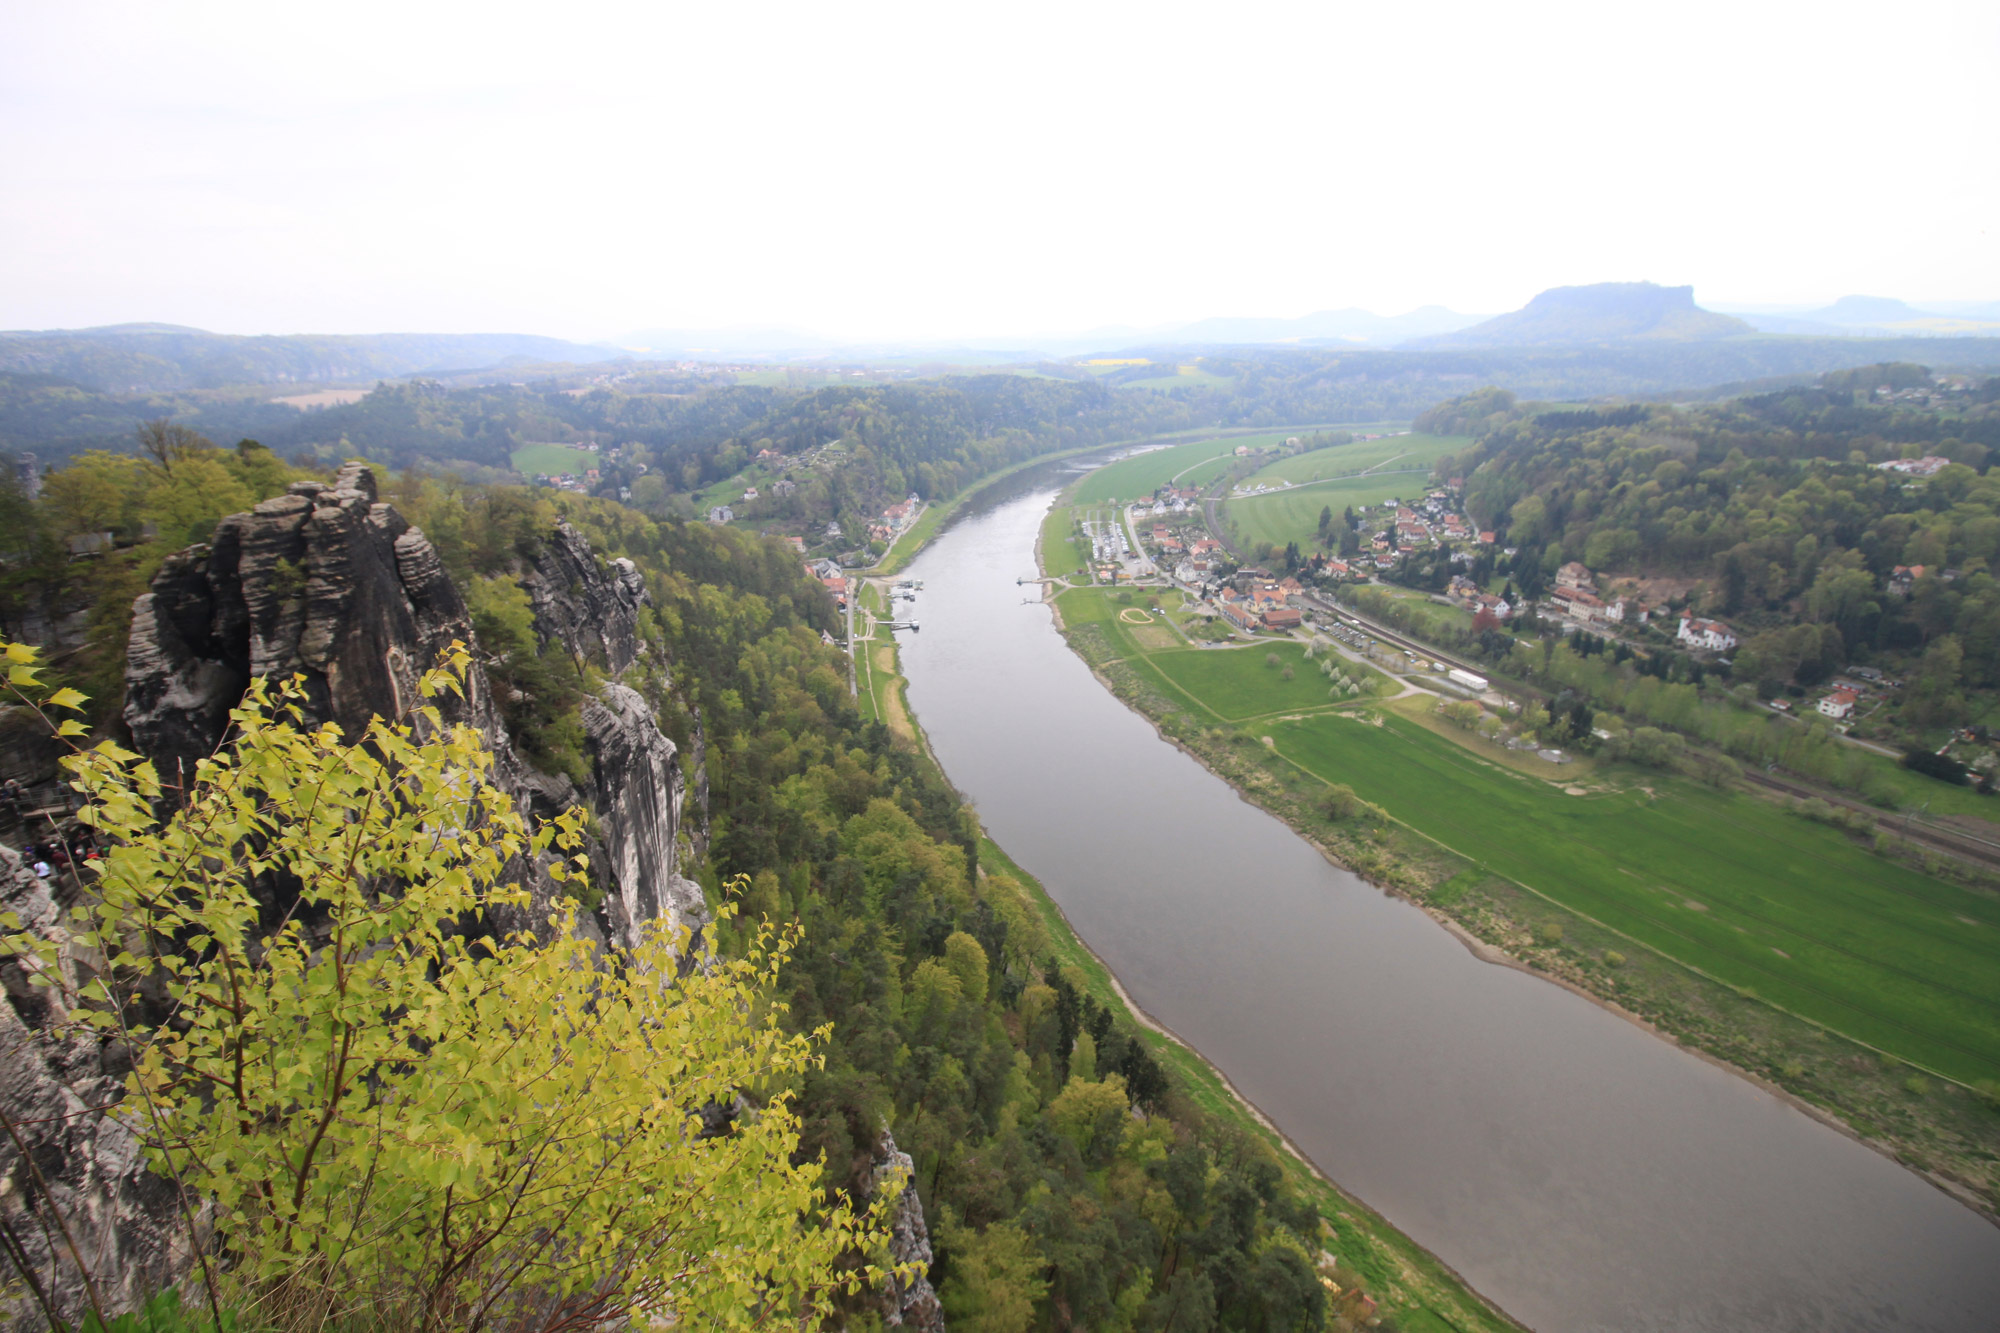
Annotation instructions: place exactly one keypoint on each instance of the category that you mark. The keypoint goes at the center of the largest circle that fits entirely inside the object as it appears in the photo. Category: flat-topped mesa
(330, 583)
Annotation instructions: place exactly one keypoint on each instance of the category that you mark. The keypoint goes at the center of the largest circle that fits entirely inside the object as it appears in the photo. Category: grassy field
(1796, 913)
(1217, 685)
(1182, 377)
(553, 459)
(1192, 464)
(1293, 515)
(1398, 452)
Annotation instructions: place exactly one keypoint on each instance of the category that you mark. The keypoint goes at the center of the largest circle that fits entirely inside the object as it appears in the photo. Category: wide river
(1580, 1172)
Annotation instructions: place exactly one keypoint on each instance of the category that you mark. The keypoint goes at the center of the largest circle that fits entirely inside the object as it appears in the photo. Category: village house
(1241, 615)
(1573, 577)
(1903, 577)
(1839, 704)
(722, 514)
(1283, 618)
(1712, 635)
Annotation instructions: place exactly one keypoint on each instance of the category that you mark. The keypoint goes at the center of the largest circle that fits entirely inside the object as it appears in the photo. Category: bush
(1270, 659)
(1549, 933)
(1612, 958)
(1940, 766)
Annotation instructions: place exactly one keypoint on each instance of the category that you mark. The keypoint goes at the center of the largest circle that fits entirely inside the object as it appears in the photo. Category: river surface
(1582, 1173)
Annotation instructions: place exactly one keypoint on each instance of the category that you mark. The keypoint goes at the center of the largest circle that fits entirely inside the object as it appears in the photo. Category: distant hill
(1605, 312)
(1880, 317)
(160, 358)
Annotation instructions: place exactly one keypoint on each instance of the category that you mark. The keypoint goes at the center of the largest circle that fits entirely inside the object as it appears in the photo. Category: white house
(722, 514)
(1710, 634)
(1839, 704)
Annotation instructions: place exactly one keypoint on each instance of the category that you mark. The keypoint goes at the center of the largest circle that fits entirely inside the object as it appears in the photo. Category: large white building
(1710, 634)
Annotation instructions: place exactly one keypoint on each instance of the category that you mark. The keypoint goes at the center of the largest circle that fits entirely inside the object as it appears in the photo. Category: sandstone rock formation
(912, 1305)
(58, 1158)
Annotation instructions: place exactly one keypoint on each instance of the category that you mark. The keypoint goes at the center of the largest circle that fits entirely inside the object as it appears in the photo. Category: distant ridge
(154, 358)
(1882, 316)
(1605, 312)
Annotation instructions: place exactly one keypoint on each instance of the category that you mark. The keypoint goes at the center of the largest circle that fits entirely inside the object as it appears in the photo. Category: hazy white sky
(910, 170)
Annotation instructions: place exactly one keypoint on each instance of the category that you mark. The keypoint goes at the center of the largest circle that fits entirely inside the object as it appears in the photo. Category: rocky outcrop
(325, 581)
(58, 1157)
(637, 797)
(911, 1304)
(587, 605)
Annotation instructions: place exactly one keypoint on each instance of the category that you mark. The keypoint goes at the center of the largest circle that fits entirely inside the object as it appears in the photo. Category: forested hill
(143, 358)
(1776, 511)
(1601, 312)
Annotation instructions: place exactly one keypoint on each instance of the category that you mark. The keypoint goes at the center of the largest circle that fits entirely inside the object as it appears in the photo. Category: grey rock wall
(912, 1304)
(124, 1222)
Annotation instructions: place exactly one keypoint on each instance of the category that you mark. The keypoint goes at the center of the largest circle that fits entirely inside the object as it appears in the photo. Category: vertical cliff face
(912, 1304)
(325, 581)
(637, 796)
(57, 1158)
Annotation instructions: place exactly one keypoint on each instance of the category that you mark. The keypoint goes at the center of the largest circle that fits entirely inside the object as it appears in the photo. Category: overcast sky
(941, 170)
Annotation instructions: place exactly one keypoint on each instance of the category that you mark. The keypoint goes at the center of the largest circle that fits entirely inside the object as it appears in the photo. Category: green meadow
(1796, 913)
(1182, 377)
(1403, 472)
(553, 459)
(1195, 463)
(1395, 452)
(1227, 684)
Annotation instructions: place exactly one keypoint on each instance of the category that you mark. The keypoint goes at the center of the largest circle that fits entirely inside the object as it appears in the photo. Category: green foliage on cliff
(394, 1123)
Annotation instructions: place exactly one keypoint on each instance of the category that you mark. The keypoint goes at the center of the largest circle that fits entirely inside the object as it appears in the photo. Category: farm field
(1181, 377)
(1195, 463)
(1743, 890)
(553, 459)
(1399, 452)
